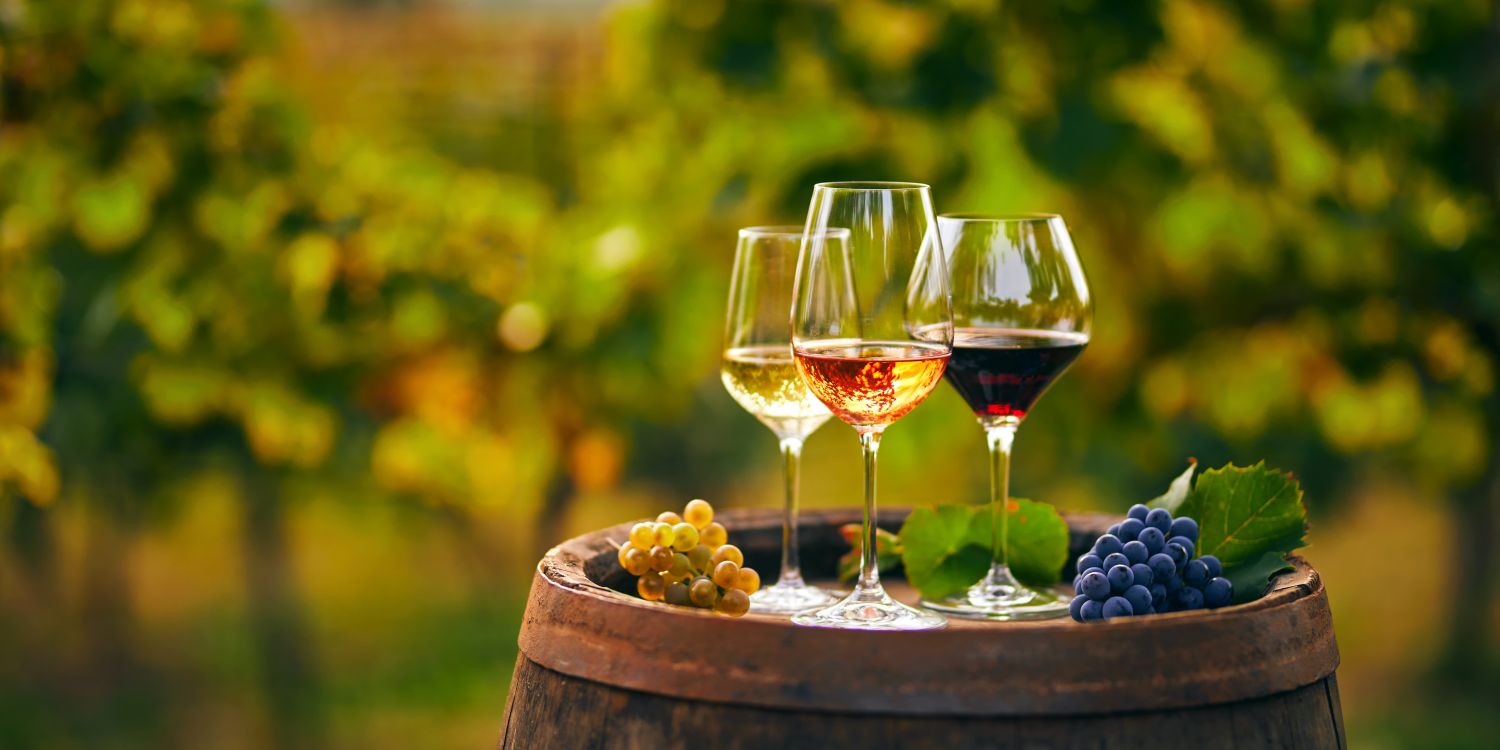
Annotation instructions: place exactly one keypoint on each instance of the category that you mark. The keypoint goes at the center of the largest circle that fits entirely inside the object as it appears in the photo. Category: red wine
(1001, 372)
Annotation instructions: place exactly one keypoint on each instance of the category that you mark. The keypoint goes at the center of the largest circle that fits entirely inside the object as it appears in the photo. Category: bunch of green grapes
(687, 560)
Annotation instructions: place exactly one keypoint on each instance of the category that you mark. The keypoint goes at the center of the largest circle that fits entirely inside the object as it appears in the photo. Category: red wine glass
(1022, 315)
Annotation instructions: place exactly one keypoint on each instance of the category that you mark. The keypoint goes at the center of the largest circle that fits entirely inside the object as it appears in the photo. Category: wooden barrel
(601, 668)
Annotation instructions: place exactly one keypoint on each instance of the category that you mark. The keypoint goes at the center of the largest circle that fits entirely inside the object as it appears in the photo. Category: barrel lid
(577, 624)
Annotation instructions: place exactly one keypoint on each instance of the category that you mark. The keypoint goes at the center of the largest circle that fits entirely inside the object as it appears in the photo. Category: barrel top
(577, 624)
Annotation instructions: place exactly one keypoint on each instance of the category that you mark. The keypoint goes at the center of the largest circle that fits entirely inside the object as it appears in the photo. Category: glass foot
(872, 610)
(1001, 597)
(787, 598)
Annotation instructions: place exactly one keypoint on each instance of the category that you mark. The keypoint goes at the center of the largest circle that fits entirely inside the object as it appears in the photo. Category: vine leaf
(1245, 513)
(887, 551)
(1176, 492)
(946, 548)
(1252, 579)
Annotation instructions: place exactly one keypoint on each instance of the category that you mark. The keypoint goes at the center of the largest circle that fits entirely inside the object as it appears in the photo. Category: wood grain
(548, 709)
(578, 624)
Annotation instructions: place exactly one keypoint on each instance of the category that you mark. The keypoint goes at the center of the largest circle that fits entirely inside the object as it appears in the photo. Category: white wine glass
(759, 373)
(872, 328)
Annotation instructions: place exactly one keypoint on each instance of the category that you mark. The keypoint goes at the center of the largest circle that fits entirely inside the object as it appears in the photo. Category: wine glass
(1022, 314)
(759, 373)
(871, 333)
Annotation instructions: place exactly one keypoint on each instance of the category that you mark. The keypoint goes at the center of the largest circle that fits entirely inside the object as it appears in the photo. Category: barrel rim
(579, 627)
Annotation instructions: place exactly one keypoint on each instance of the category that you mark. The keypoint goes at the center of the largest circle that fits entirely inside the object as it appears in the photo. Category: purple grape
(1136, 552)
(1215, 568)
(1195, 574)
(1174, 583)
(1143, 574)
(1094, 585)
(1130, 530)
(1138, 512)
(1075, 607)
(1089, 561)
(1139, 597)
(1091, 610)
(1078, 584)
(1190, 598)
(1184, 526)
(1120, 578)
(1160, 519)
(1179, 555)
(1158, 597)
(1116, 559)
(1154, 540)
(1218, 592)
(1117, 606)
(1186, 543)
(1115, 529)
(1162, 567)
(1108, 545)
(1174, 600)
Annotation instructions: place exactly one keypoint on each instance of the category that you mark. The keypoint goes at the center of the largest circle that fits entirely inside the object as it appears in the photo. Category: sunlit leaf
(946, 548)
(1177, 491)
(111, 212)
(1244, 512)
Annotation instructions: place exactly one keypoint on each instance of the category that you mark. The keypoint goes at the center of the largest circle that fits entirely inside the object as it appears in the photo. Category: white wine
(764, 379)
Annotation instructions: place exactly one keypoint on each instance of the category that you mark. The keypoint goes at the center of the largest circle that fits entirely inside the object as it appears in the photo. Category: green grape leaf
(887, 551)
(1038, 539)
(1177, 491)
(1243, 513)
(946, 548)
(941, 551)
(1252, 579)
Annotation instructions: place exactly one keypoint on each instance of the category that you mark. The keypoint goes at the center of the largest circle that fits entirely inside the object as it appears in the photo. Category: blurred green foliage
(215, 259)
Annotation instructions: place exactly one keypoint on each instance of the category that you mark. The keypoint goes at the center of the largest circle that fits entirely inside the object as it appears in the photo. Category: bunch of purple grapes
(1145, 565)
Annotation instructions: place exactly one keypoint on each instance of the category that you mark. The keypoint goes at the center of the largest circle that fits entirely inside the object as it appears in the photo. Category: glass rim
(789, 231)
(871, 185)
(1000, 218)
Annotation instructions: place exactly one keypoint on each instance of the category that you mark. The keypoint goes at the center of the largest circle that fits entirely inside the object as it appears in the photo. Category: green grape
(703, 592)
(747, 581)
(637, 562)
(734, 603)
(729, 552)
(620, 554)
(651, 587)
(698, 513)
(726, 573)
(686, 537)
(663, 535)
(668, 516)
(640, 535)
(714, 535)
(700, 557)
(660, 558)
(681, 569)
(677, 593)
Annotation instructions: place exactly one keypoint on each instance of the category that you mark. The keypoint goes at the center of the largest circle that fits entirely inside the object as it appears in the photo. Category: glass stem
(791, 459)
(869, 568)
(1000, 438)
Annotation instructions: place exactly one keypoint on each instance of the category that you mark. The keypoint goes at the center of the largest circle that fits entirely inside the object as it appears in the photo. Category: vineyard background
(319, 321)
